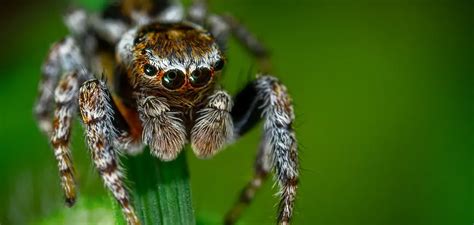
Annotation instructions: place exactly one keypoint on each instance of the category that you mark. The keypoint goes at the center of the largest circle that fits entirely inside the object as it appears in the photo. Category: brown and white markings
(146, 73)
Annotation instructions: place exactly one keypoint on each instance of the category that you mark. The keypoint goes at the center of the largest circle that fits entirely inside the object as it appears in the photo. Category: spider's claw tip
(70, 202)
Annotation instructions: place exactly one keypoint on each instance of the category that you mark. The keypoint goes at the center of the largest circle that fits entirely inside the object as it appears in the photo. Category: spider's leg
(96, 109)
(139, 12)
(219, 29)
(163, 130)
(169, 11)
(63, 58)
(109, 29)
(213, 128)
(262, 167)
(197, 12)
(268, 97)
(51, 71)
(221, 26)
(65, 97)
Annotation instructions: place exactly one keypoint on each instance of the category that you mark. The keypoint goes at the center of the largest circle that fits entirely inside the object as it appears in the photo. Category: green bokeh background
(383, 93)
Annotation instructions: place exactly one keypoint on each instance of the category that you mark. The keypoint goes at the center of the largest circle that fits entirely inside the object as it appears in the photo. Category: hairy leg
(278, 132)
(51, 73)
(66, 101)
(163, 130)
(279, 147)
(63, 58)
(213, 128)
(97, 114)
(221, 26)
(262, 167)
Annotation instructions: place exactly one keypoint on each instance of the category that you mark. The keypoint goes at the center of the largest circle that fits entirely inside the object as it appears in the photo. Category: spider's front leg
(97, 113)
(266, 97)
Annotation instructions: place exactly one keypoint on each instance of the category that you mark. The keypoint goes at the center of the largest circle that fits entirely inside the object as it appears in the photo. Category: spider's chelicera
(142, 73)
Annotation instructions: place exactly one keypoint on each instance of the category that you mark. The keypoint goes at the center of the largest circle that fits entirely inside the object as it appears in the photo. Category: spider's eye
(150, 70)
(200, 77)
(173, 79)
(219, 65)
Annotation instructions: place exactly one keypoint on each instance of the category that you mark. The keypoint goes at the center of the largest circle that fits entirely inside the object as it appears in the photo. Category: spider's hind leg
(222, 26)
(62, 76)
(266, 97)
(66, 102)
(51, 72)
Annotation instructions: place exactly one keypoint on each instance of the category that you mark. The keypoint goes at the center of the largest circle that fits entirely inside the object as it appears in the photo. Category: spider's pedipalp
(97, 114)
(163, 130)
(279, 147)
(65, 97)
(213, 128)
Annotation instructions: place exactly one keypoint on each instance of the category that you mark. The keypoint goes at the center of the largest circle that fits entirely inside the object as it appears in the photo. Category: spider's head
(170, 59)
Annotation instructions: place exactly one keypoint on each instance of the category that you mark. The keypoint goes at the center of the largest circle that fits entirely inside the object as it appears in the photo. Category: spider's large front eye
(200, 77)
(173, 79)
(150, 70)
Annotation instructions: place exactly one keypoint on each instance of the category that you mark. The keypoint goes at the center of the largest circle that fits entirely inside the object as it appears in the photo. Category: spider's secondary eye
(219, 65)
(150, 70)
(200, 77)
(173, 79)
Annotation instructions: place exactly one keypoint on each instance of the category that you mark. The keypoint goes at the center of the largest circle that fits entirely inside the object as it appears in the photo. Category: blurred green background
(384, 97)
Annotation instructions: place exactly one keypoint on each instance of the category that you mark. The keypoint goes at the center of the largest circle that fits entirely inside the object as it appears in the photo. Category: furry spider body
(160, 89)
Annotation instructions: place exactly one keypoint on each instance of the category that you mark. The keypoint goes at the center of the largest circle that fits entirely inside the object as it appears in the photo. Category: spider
(145, 72)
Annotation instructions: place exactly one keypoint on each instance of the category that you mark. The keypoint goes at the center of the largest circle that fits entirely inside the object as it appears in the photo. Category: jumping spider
(143, 73)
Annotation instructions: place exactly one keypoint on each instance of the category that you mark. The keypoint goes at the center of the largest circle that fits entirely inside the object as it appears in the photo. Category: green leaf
(160, 190)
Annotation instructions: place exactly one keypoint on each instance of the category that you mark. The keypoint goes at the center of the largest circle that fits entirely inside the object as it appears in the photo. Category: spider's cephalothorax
(161, 71)
(178, 61)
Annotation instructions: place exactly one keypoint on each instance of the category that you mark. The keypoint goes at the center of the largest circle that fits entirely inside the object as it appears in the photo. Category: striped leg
(266, 97)
(63, 57)
(97, 114)
(261, 169)
(66, 101)
(50, 76)
(280, 136)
